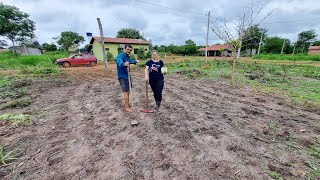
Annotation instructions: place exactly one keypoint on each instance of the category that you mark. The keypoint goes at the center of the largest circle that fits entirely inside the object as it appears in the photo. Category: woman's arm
(146, 73)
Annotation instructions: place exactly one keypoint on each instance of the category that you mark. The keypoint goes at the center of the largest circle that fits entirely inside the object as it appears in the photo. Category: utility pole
(260, 43)
(207, 36)
(102, 45)
(284, 41)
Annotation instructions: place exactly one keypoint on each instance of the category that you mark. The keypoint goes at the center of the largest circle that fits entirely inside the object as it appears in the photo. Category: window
(107, 49)
(120, 50)
(87, 56)
(135, 51)
(146, 49)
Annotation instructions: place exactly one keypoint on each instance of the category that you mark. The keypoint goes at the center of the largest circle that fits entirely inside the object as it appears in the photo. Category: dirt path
(205, 130)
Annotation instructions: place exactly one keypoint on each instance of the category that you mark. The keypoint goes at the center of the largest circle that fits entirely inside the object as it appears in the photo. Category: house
(116, 45)
(215, 50)
(314, 50)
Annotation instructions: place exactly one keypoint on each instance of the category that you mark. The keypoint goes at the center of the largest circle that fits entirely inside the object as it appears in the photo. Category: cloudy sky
(169, 22)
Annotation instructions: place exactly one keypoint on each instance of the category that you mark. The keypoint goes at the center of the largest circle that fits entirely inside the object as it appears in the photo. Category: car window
(78, 56)
(87, 56)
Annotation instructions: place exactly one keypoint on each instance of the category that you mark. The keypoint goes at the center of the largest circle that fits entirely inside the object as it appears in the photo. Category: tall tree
(68, 38)
(129, 33)
(15, 24)
(305, 39)
(252, 38)
(190, 48)
(274, 45)
(189, 42)
(316, 43)
(49, 47)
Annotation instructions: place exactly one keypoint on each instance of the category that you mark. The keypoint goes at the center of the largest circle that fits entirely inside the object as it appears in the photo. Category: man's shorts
(124, 84)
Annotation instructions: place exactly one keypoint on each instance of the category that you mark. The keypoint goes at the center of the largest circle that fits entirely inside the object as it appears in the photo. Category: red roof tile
(314, 48)
(215, 47)
(122, 40)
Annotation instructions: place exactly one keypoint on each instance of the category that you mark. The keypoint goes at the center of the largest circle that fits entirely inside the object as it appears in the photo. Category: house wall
(113, 48)
(314, 51)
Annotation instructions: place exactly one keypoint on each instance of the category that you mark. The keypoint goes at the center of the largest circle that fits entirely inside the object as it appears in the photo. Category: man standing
(123, 62)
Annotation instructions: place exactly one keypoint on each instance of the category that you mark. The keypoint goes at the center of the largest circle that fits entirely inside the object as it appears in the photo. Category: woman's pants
(157, 87)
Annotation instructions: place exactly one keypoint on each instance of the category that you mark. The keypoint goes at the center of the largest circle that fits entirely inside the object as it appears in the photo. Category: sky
(164, 21)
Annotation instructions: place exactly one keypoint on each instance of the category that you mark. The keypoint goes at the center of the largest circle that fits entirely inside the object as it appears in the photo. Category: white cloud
(163, 26)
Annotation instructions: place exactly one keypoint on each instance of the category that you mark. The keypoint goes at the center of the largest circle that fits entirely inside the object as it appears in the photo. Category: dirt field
(205, 130)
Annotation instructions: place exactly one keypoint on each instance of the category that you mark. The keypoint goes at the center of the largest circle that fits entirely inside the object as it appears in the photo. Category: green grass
(275, 175)
(300, 82)
(31, 64)
(15, 119)
(5, 157)
(315, 151)
(12, 94)
(290, 57)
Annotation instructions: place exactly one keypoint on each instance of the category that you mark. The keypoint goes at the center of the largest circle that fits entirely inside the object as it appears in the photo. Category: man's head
(127, 49)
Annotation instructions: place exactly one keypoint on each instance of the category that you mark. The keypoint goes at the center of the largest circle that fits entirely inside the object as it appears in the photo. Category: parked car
(78, 59)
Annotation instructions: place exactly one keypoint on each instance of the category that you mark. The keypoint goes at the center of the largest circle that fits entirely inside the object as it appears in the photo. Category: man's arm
(133, 61)
(119, 60)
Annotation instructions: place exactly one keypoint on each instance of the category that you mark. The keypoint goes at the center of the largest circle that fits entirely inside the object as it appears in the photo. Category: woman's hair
(154, 51)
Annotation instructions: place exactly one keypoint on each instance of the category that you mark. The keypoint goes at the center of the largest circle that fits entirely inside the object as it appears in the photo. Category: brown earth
(205, 130)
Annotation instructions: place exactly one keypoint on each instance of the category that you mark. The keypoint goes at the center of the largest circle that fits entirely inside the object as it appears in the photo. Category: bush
(141, 53)
(110, 56)
(132, 56)
(148, 55)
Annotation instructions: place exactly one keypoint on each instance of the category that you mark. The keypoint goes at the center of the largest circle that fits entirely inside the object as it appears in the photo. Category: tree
(129, 33)
(252, 38)
(316, 43)
(68, 38)
(49, 47)
(190, 48)
(141, 53)
(15, 24)
(274, 45)
(221, 28)
(305, 39)
(189, 42)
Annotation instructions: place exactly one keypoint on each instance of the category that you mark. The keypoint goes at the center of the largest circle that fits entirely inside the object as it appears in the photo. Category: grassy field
(290, 57)
(301, 82)
(31, 64)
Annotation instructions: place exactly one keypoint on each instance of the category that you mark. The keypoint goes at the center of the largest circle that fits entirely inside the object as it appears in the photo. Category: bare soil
(205, 130)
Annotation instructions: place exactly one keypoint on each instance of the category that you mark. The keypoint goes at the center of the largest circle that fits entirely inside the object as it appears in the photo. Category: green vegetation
(15, 119)
(13, 93)
(301, 82)
(275, 175)
(5, 157)
(41, 64)
(296, 57)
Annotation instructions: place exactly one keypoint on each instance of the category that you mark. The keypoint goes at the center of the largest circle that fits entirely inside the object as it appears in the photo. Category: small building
(26, 50)
(314, 50)
(116, 45)
(217, 50)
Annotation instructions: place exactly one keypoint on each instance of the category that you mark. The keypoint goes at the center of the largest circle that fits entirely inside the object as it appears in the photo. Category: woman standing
(155, 77)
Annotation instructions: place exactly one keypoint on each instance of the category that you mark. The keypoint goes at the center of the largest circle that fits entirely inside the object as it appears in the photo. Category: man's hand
(127, 64)
(137, 60)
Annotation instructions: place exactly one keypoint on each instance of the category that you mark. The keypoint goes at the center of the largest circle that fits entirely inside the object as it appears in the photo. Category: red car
(78, 59)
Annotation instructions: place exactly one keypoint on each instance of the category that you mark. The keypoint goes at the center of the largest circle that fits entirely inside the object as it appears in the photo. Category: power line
(202, 20)
(280, 22)
(170, 8)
